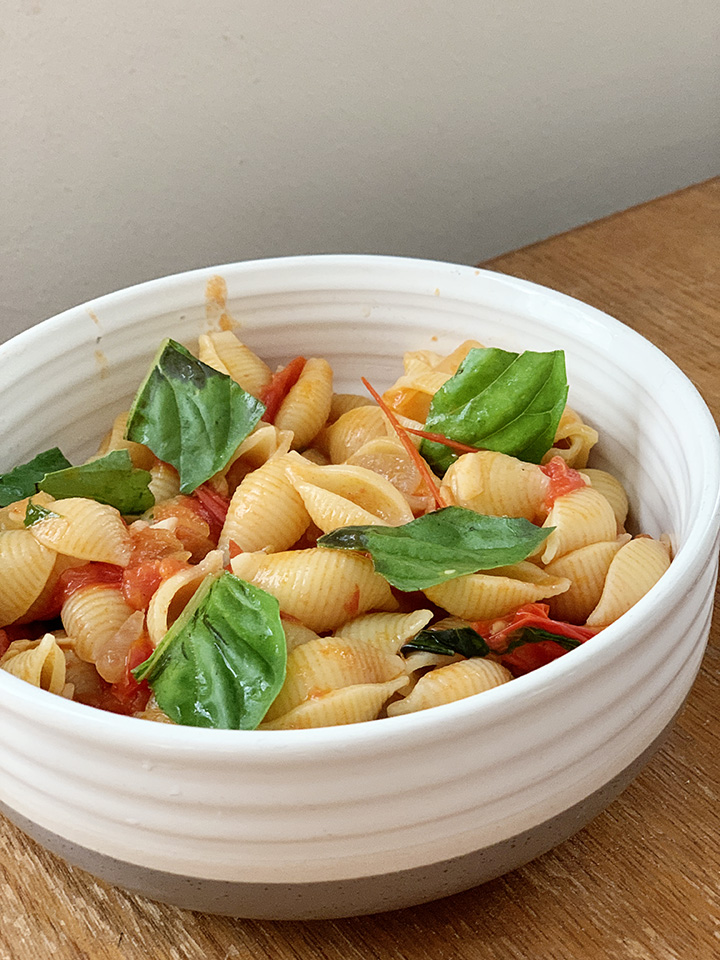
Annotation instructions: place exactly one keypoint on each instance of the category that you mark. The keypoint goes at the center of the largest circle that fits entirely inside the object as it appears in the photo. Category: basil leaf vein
(222, 663)
(440, 546)
(502, 401)
(190, 415)
(22, 481)
(111, 479)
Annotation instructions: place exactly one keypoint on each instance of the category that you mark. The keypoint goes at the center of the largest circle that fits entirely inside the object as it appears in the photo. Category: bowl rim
(45, 708)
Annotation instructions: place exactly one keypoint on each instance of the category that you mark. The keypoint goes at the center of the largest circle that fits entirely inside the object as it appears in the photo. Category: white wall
(142, 137)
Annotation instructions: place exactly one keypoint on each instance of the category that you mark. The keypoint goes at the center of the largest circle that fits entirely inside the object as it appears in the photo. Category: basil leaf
(22, 481)
(222, 663)
(440, 546)
(190, 415)
(448, 641)
(110, 479)
(34, 512)
(500, 401)
(538, 635)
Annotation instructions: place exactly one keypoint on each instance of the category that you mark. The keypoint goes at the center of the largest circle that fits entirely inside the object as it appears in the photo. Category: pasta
(334, 564)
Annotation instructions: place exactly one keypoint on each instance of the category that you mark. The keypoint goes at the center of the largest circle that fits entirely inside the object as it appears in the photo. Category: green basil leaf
(448, 641)
(538, 635)
(440, 546)
(34, 512)
(502, 401)
(190, 415)
(22, 481)
(222, 663)
(111, 479)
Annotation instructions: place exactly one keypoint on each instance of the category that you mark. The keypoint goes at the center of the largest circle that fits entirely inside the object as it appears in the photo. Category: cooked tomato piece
(280, 385)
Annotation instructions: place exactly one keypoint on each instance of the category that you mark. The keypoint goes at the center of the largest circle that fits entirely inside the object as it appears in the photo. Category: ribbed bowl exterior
(377, 797)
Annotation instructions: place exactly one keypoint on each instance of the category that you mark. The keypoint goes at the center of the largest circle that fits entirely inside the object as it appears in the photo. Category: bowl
(373, 816)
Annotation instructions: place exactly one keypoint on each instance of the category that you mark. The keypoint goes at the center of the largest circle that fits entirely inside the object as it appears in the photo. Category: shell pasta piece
(329, 664)
(307, 405)
(496, 485)
(386, 631)
(171, 597)
(356, 704)
(613, 491)
(574, 440)
(586, 568)
(452, 682)
(91, 616)
(635, 568)
(321, 588)
(25, 566)
(353, 430)
(85, 529)
(223, 351)
(579, 518)
(39, 662)
(266, 512)
(483, 596)
(358, 486)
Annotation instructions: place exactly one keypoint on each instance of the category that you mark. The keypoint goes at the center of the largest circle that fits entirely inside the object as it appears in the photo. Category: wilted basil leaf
(440, 546)
(448, 641)
(222, 663)
(111, 479)
(22, 481)
(190, 415)
(502, 401)
(34, 512)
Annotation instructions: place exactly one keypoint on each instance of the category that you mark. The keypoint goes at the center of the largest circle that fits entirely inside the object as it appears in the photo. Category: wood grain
(641, 882)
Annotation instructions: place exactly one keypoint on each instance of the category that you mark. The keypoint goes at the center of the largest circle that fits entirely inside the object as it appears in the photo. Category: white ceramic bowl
(378, 815)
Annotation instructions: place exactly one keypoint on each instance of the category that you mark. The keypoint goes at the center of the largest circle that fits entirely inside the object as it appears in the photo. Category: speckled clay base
(341, 898)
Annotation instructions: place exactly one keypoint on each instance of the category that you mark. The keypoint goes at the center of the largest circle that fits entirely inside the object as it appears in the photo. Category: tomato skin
(92, 574)
(280, 385)
(530, 656)
(495, 632)
(212, 507)
(563, 479)
(131, 695)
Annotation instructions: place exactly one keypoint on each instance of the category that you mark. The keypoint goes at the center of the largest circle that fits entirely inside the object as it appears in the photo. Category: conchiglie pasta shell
(92, 616)
(581, 517)
(296, 633)
(39, 662)
(172, 596)
(328, 511)
(39, 609)
(153, 712)
(25, 566)
(613, 491)
(496, 485)
(575, 438)
(353, 430)
(386, 631)
(329, 664)
(636, 567)
(586, 568)
(484, 596)
(266, 512)
(263, 443)
(372, 493)
(342, 402)
(165, 481)
(321, 588)
(307, 405)
(85, 529)
(388, 457)
(355, 704)
(224, 352)
(453, 682)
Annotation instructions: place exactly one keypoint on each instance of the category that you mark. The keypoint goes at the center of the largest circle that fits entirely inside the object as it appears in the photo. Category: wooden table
(642, 881)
